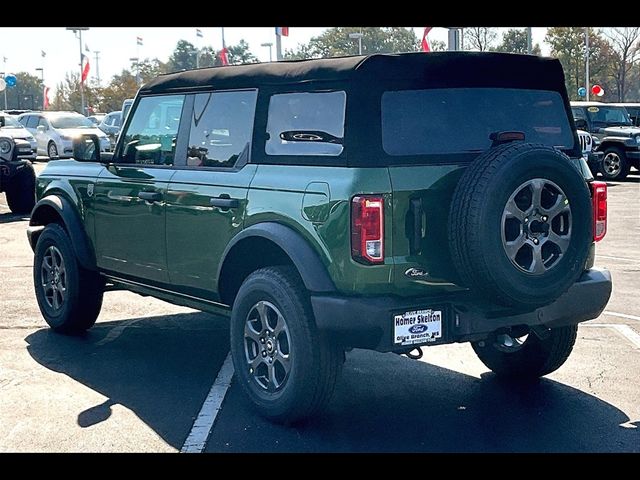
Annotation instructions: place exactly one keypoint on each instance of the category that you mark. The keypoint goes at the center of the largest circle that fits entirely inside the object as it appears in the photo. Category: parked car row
(615, 133)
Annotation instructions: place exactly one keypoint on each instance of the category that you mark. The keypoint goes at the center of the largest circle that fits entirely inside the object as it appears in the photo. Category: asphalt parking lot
(137, 381)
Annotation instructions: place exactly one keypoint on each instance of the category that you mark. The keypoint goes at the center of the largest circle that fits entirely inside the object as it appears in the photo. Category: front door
(206, 200)
(131, 194)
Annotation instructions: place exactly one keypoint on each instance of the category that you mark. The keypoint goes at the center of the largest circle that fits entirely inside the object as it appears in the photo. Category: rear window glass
(306, 123)
(456, 120)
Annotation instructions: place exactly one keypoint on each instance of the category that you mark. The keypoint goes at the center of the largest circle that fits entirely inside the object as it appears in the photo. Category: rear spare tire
(520, 225)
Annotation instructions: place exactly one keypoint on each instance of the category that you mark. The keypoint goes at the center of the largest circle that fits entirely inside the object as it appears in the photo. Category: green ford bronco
(386, 202)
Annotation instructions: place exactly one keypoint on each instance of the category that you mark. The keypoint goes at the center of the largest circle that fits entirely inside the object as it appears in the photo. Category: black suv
(17, 177)
(618, 138)
(330, 204)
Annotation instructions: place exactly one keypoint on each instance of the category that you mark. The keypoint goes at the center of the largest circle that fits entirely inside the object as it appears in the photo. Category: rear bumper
(367, 322)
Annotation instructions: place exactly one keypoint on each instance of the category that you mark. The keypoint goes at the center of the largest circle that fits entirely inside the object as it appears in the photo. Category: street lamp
(268, 44)
(80, 30)
(357, 35)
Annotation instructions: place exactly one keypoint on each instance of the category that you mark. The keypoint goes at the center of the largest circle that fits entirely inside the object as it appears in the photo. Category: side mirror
(41, 128)
(86, 148)
(581, 124)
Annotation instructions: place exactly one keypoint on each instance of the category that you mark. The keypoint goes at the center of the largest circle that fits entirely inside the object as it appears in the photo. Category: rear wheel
(615, 165)
(52, 150)
(21, 191)
(287, 368)
(528, 356)
(69, 296)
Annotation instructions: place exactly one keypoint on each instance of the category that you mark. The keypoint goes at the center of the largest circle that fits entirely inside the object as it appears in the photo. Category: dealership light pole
(529, 41)
(586, 47)
(79, 31)
(357, 35)
(268, 44)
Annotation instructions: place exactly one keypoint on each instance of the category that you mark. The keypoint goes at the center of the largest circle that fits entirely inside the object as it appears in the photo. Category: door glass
(221, 128)
(150, 138)
(31, 121)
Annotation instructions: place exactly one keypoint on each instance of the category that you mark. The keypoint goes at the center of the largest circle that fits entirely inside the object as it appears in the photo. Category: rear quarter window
(458, 120)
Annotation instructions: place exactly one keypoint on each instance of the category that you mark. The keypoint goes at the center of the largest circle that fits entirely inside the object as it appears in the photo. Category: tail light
(367, 229)
(599, 199)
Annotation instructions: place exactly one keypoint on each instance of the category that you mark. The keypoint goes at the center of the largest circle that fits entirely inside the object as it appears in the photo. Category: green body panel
(130, 236)
(300, 197)
(433, 187)
(197, 233)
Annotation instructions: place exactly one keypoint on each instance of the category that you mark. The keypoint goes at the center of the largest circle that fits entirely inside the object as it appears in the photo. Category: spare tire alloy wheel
(536, 226)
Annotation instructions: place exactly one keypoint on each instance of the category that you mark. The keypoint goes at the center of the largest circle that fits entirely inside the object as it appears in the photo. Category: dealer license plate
(417, 326)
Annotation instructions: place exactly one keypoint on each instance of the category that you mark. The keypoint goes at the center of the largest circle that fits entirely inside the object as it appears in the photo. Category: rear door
(206, 198)
(131, 194)
(430, 136)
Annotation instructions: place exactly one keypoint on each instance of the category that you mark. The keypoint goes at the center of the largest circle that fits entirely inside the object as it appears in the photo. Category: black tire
(21, 191)
(476, 225)
(533, 359)
(52, 151)
(614, 165)
(315, 361)
(78, 309)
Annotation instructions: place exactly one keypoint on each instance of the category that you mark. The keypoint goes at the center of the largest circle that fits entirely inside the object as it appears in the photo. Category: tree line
(613, 58)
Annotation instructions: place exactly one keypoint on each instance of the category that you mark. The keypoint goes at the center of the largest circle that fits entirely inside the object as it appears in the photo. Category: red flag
(45, 95)
(282, 31)
(222, 54)
(425, 44)
(85, 68)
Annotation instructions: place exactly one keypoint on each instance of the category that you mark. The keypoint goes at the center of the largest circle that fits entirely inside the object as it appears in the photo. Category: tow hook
(409, 353)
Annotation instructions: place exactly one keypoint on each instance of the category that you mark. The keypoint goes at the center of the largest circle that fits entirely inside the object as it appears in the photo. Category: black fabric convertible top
(435, 69)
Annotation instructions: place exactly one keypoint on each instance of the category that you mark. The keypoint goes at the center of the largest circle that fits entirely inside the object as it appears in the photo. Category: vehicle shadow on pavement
(11, 217)
(387, 403)
(161, 368)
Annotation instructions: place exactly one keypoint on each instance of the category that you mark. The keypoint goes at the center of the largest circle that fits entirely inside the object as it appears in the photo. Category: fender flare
(72, 224)
(306, 260)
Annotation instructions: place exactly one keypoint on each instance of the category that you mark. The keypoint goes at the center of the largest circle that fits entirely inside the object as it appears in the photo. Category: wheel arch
(266, 244)
(58, 209)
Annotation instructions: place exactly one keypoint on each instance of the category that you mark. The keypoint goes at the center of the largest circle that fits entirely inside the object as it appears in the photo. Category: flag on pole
(85, 68)
(45, 98)
(425, 44)
(43, 53)
(282, 31)
(222, 54)
(139, 41)
(198, 33)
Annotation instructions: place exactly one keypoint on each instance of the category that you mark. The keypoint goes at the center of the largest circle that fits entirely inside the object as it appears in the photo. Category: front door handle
(224, 203)
(150, 196)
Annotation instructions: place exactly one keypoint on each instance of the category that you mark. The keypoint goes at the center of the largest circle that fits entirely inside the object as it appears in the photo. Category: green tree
(514, 40)
(568, 46)
(121, 87)
(479, 38)
(438, 46)
(240, 53)
(27, 94)
(150, 69)
(335, 42)
(68, 96)
(183, 57)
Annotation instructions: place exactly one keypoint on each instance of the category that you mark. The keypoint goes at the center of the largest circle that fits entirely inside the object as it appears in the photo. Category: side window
(43, 121)
(31, 121)
(310, 123)
(116, 120)
(578, 114)
(221, 128)
(151, 136)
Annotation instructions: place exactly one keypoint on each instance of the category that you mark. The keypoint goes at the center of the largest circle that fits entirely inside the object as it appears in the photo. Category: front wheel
(52, 151)
(287, 368)
(528, 356)
(69, 296)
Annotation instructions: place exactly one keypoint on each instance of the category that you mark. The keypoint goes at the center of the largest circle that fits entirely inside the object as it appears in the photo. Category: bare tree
(626, 45)
(479, 38)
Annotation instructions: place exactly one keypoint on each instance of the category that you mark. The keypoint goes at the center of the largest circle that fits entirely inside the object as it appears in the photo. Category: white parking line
(624, 330)
(622, 315)
(624, 259)
(199, 434)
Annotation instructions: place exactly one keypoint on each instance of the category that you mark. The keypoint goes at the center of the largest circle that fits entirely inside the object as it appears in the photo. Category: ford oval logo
(419, 328)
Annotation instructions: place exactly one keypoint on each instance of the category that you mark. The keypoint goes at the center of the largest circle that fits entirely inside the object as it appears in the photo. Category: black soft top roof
(435, 69)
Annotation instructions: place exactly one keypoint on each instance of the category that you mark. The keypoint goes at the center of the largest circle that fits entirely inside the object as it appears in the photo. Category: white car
(55, 131)
(10, 126)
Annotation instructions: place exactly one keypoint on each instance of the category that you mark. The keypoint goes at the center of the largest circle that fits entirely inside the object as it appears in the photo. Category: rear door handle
(224, 203)
(150, 196)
